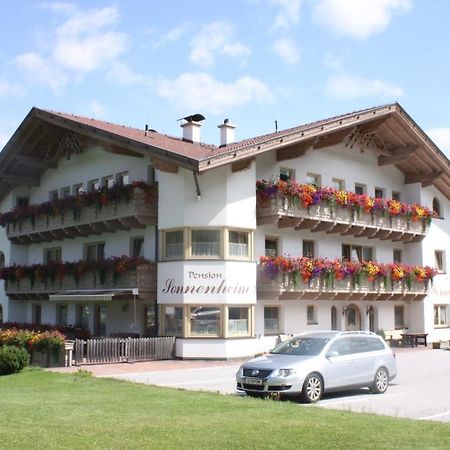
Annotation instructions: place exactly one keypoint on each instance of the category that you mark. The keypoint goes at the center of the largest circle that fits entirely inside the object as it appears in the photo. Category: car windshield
(304, 346)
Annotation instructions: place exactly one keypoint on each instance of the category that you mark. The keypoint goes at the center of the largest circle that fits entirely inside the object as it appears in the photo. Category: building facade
(330, 225)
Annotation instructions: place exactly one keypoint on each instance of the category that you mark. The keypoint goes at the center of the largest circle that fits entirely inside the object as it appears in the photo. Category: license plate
(253, 381)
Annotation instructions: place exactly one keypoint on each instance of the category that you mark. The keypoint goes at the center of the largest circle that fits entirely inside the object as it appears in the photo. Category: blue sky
(142, 62)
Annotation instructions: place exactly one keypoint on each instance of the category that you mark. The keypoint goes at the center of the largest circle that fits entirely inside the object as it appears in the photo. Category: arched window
(2, 260)
(437, 207)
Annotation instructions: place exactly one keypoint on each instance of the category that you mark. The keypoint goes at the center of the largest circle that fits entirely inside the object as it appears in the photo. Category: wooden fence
(112, 350)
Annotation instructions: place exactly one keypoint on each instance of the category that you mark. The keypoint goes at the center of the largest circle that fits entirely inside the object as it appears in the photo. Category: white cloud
(86, 41)
(63, 7)
(96, 109)
(288, 14)
(357, 18)
(441, 137)
(122, 74)
(9, 89)
(38, 70)
(201, 92)
(173, 35)
(349, 87)
(287, 50)
(213, 39)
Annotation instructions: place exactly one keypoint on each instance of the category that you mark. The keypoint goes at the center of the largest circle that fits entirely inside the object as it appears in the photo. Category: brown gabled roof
(388, 129)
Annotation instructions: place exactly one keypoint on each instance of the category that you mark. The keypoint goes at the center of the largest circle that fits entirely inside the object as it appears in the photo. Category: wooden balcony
(284, 287)
(143, 278)
(337, 219)
(139, 210)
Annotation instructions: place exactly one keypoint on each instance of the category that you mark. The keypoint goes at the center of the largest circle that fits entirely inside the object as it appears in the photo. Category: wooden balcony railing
(136, 211)
(285, 287)
(337, 219)
(142, 278)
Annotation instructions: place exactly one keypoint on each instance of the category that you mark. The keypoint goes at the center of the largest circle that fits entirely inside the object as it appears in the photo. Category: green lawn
(43, 410)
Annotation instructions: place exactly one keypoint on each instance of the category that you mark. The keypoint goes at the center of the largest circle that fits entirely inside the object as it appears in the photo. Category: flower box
(48, 358)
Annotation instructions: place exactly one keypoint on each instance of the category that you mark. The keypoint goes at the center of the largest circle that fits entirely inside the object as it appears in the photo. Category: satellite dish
(194, 118)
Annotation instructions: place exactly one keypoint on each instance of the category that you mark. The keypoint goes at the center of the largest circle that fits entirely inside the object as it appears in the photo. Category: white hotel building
(197, 220)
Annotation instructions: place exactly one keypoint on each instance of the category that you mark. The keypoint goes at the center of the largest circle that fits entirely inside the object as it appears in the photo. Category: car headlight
(286, 372)
(240, 372)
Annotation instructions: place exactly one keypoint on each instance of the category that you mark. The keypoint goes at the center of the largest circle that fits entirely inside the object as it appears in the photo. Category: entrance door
(100, 320)
(352, 318)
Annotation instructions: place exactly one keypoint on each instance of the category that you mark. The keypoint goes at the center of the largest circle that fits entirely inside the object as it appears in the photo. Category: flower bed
(99, 198)
(308, 195)
(46, 348)
(304, 269)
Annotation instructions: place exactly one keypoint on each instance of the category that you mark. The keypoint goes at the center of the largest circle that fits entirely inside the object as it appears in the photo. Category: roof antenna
(276, 126)
(146, 129)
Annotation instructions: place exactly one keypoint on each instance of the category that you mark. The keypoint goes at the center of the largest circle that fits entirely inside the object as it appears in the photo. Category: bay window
(238, 244)
(205, 320)
(238, 320)
(205, 243)
(173, 320)
(174, 244)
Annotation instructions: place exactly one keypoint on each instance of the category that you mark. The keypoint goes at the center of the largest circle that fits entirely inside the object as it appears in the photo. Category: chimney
(226, 132)
(191, 127)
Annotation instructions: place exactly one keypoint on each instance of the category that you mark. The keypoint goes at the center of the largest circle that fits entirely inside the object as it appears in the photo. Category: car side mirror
(332, 353)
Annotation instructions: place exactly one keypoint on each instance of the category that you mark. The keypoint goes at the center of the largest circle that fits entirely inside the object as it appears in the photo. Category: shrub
(12, 359)
(47, 340)
(15, 337)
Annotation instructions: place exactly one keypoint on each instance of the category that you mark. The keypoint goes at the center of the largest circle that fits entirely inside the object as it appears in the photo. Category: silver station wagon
(317, 362)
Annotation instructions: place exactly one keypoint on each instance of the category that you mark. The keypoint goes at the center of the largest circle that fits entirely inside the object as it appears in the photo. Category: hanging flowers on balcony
(115, 265)
(306, 195)
(339, 269)
(100, 198)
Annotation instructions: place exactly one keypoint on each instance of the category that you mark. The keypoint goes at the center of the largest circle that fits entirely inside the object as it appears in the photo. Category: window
(53, 195)
(149, 318)
(439, 260)
(238, 244)
(205, 243)
(356, 252)
(396, 195)
(77, 189)
(204, 320)
(137, 247)
(311, 315)
(308, 249)
(333, 318)
(436, 207)
(360, 189)
(93, 185)
(108, 181)
(379, 193)
(338, 184)
(287, 174)
(36, 314)
(440, 316)
(95, 252)
(123, 178)
(174, 244)
(399, 317)
(2, 260)
(238, 320)
(313, 178)
(52, 254)
(271, 320)
(271, 246)
(173, 320)
(65, 192)
(397, 255)
(61, 315)
(22, 201)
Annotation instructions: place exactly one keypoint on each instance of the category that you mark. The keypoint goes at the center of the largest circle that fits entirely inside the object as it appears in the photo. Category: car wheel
(313, 388)
(381, 381)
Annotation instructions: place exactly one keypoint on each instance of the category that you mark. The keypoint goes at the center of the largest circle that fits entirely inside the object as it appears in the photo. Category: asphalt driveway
(420, 391)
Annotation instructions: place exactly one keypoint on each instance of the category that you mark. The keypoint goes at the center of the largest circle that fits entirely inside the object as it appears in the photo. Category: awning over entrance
(93, 296)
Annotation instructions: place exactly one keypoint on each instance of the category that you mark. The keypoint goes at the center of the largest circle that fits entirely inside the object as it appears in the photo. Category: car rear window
(301, 346)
